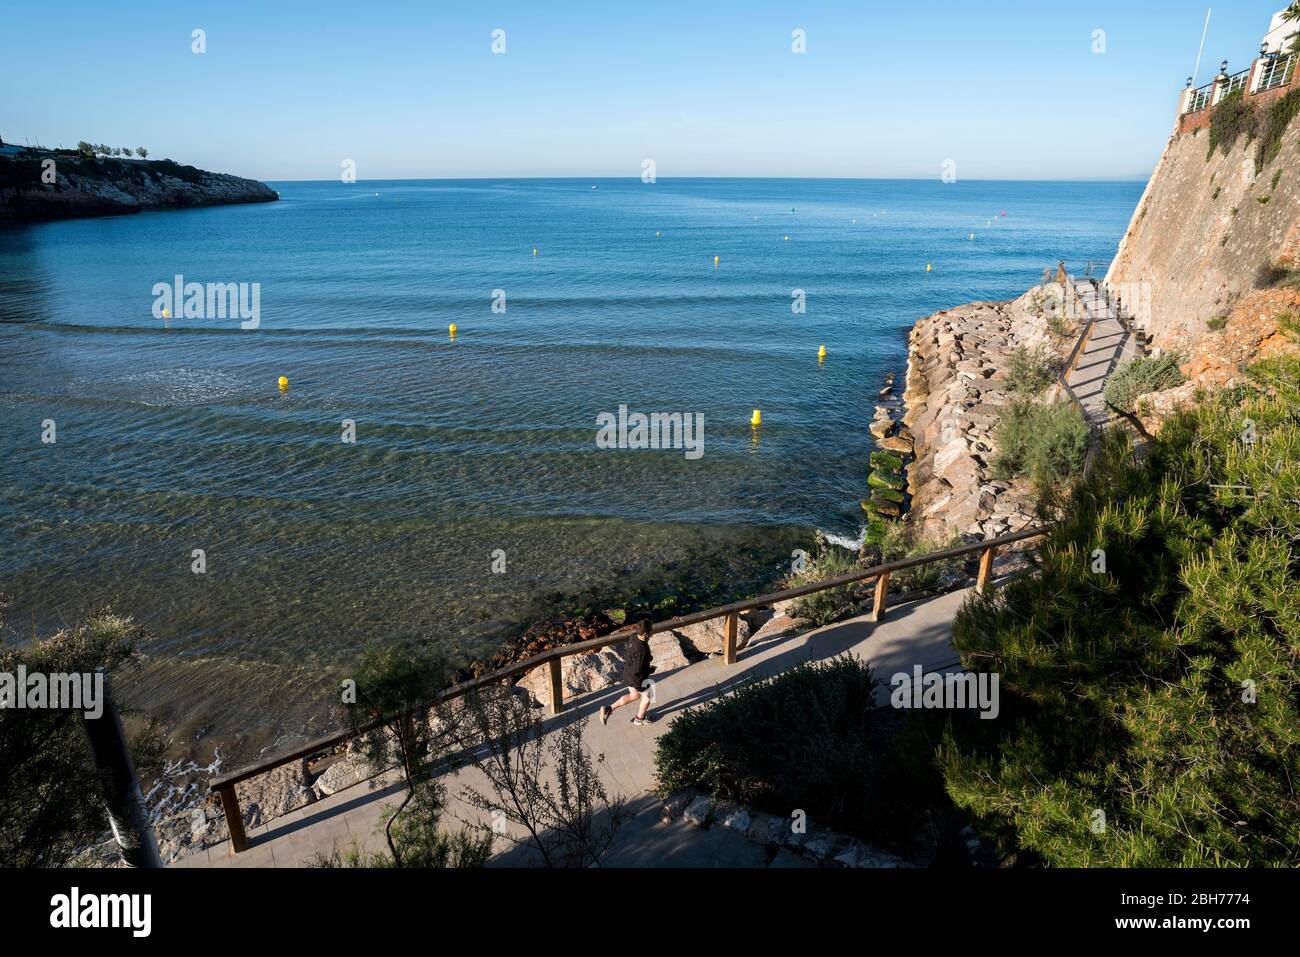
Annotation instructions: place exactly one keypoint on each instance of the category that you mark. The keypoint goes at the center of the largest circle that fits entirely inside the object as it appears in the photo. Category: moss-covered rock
(875, 531)
(880, 509)
(890, 480)
(887, 495)
(886, 461)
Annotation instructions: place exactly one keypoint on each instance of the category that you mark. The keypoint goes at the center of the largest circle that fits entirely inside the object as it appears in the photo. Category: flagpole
(1196, 73)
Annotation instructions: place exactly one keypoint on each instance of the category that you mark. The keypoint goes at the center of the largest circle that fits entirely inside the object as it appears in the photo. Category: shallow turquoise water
(172, 434)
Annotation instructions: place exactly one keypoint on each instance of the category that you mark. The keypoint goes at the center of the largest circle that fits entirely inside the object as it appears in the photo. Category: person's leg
(632, 695)
(645, 706)
(606, 710)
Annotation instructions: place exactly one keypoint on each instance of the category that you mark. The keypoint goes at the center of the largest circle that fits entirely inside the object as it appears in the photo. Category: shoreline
(198, 821)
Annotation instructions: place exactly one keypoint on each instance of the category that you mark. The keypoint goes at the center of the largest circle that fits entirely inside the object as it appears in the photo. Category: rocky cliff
(1212, 255)
(105, 187)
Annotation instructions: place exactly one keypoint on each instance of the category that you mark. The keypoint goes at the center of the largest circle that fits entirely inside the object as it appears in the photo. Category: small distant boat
(595, 187)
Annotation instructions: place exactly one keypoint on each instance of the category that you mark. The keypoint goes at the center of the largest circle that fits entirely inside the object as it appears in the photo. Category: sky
(1004, 89)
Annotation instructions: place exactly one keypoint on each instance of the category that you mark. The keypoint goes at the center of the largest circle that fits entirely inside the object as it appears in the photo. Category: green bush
(1272, 275)
(811, 738)
(1159, 687)
(1141, 376)
(832, 604)
(1060, 326)
(901, 541)
(802, 739)
(1231, 119)
(1047, 443)
(1029, 373)
(1273, 122)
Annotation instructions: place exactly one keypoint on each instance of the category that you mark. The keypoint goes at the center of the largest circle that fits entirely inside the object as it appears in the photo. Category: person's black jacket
(636, 662)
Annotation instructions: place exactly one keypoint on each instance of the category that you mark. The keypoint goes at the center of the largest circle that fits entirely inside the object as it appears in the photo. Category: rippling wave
(173, 435)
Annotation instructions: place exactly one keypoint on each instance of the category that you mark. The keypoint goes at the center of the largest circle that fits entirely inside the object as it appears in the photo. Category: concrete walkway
(914, 633)
(1110, 346)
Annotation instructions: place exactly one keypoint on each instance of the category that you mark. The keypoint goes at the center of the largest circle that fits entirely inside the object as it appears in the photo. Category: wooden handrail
(224, 785)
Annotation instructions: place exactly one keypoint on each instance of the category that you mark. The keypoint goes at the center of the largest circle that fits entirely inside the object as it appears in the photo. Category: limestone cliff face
(105, 187)
(1204, 262)
(956, 390)
(1204, 231)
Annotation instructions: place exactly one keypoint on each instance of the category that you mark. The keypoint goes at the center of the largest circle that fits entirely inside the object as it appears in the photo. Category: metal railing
(1276, 72)
(224, 785)
(1199, 99)
(1236, 82)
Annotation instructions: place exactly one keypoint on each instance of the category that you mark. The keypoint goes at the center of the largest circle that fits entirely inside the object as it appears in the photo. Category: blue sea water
(172, 434)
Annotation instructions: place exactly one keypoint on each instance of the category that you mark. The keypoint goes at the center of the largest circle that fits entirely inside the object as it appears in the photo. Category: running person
(636, 669)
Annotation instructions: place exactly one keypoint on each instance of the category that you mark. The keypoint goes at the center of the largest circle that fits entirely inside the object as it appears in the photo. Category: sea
(411, 484)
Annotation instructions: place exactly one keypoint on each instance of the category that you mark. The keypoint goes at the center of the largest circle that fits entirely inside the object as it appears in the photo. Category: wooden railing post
(882, 596)
(730, 629)
(554, 672)
(234, 820)
(985, 577)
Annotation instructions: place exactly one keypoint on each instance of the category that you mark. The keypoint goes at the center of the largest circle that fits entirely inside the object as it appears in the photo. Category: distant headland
(44, 184)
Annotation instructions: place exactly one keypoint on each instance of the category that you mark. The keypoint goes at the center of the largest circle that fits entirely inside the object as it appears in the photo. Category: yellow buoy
(756, 418)
(167, 313)
(451, 329)
(787, 239)
(821, 354)
(715, 260)
(534, 250)
(284, 382)
(929, 267)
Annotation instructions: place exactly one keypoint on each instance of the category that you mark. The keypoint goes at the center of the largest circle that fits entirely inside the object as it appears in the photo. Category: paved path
(1110, 346)
(914, 633)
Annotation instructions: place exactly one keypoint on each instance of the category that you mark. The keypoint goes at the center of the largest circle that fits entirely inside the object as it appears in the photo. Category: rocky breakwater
(888, 499)
(38, 185)
(957, 388)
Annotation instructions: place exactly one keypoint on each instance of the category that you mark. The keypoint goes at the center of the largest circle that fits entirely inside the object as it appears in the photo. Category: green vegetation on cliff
(1151, 700)
(1234, 117)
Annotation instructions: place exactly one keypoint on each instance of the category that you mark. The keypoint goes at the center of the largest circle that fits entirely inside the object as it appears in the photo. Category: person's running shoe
(605, 712)
(638, 721)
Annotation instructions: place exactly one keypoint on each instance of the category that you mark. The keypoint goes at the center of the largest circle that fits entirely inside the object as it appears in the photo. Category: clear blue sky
(1006, 88)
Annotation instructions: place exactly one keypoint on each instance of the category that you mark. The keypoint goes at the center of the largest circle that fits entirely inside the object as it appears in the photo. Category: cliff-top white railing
(1237, 82)
(1276, 72)
(1199, 98)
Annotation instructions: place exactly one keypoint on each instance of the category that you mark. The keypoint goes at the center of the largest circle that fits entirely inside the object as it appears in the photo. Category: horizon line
(633, 178)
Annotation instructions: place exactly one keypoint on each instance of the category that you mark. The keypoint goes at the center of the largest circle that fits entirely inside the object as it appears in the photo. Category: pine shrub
(1046, 443)
(1150, 710)
(1142, 375)
(805, 738)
